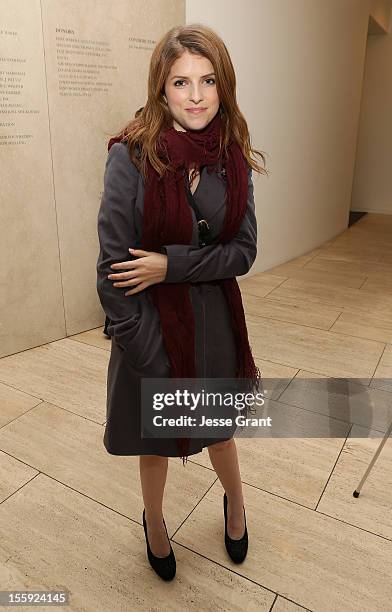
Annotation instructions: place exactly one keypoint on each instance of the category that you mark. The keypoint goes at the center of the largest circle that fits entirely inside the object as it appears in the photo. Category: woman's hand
(148, 269)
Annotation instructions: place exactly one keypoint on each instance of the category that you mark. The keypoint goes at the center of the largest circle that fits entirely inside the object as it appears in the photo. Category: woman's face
(191, 84)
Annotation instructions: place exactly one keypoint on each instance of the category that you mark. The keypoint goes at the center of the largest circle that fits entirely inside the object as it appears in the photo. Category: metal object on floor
(373, 461)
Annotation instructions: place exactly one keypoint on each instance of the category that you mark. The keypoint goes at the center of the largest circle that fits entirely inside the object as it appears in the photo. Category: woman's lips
(195, 111)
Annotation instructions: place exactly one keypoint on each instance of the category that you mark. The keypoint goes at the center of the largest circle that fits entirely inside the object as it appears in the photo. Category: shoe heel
(165, 567)
(237, 549)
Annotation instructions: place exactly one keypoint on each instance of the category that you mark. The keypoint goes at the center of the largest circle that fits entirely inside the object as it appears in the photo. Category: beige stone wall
(71, 73)
(380, 16)
(372, 184)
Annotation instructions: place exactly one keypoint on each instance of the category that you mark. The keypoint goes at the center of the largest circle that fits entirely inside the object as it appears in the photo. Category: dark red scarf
(167, 219)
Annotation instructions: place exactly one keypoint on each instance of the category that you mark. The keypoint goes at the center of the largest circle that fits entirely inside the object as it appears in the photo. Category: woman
(181, 314)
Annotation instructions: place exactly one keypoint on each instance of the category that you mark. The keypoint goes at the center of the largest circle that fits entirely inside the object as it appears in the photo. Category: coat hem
(127, 453)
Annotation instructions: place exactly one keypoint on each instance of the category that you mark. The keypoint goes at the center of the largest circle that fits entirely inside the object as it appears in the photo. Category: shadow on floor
(355, 216)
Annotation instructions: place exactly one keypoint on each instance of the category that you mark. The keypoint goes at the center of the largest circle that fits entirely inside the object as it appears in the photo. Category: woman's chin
(197, 123)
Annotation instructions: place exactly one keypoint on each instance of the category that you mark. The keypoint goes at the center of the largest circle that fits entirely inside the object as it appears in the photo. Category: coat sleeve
(134, 323)
(189, 263)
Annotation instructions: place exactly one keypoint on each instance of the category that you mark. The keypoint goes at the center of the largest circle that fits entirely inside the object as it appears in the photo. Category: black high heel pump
(165, 567)
(237, 549)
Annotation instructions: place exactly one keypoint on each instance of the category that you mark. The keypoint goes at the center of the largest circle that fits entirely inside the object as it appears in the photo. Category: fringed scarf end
(183, 445)
(251, 372)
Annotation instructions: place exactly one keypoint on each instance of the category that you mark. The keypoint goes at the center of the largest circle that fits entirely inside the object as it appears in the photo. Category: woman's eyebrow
(185, 77)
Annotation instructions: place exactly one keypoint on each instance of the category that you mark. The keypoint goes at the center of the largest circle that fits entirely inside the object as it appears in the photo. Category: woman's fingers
(140, 252)
(129, 266)
(124, 265)
(137, 289)
(128, 283)
(122, 275)
(149, 270)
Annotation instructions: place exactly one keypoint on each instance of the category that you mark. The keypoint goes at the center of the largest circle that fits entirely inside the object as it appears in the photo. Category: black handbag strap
(192, 202)
(205, 237)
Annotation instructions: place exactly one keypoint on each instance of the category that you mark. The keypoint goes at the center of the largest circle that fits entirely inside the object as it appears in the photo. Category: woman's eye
(182, 81)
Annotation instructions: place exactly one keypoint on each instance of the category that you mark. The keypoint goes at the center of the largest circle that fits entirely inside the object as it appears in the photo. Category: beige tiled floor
(70, 514)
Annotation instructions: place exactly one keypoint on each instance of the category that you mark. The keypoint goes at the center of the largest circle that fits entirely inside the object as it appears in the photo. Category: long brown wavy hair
(154, 116)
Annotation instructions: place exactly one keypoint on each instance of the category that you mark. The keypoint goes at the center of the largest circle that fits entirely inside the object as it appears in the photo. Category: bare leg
(153, 472)
(224, 459)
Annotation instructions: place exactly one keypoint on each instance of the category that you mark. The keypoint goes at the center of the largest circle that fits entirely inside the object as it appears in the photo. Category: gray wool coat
(137, 348)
